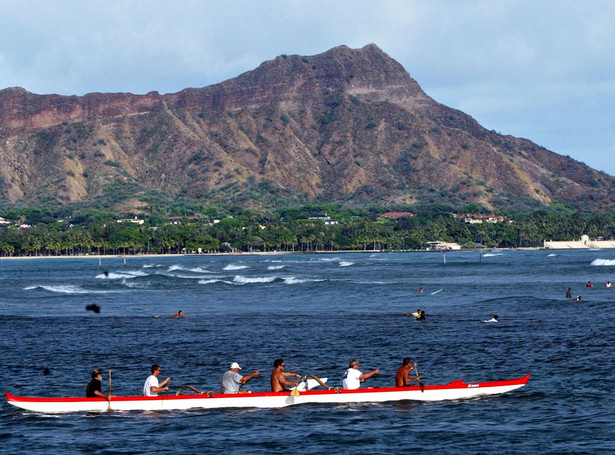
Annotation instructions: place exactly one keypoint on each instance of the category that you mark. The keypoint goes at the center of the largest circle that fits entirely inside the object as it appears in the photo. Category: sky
(539, 69)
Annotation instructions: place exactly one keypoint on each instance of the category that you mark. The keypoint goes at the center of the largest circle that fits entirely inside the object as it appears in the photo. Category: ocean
(316, 311)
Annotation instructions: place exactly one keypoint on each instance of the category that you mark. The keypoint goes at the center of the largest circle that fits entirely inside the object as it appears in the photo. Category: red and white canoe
(457, 390)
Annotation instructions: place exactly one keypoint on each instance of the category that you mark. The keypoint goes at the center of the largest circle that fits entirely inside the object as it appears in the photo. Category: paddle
(421, 385)
(109, 397)
(295, 392)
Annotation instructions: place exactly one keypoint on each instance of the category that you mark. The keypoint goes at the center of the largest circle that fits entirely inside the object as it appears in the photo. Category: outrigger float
(457, 390)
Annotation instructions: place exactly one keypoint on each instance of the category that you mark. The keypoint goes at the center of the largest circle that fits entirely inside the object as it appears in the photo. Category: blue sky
(543, 70)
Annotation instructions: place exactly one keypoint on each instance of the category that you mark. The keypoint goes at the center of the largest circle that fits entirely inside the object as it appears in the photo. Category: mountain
(348, 126)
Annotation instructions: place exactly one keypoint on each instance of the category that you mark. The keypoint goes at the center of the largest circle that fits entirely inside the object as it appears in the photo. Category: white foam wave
(137, 285)
(275, 267)
(212, 281)
(606, 262)
(123, 275)
(346, 263)
(257, 279)
(185, 277)
(293, 280)
(186, 269)
(333, 259)
(235, 267)
(488, 255)
(65, 289)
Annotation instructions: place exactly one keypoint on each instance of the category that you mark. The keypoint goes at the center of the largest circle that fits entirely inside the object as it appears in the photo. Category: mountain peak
(347, 125)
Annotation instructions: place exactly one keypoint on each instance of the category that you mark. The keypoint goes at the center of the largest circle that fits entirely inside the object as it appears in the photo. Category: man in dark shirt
(94, 387)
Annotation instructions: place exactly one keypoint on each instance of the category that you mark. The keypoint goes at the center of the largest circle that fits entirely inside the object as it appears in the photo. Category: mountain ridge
(349, 126)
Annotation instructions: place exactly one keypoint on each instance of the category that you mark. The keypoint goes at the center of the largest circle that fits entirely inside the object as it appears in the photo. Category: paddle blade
(295, 392)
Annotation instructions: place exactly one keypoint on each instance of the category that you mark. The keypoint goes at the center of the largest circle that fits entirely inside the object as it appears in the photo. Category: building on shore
(583, 243)
(437, 245)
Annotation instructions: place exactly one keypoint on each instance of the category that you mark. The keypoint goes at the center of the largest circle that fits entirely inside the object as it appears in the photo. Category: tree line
(293, 229)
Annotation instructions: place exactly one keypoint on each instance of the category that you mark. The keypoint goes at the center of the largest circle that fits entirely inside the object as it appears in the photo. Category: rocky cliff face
(348, 126)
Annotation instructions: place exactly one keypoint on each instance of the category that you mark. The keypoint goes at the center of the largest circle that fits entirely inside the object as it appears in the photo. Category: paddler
(353, 377)
(402, 378)
(232, 380)
(278, 377)
(94, 387)
(151, 386)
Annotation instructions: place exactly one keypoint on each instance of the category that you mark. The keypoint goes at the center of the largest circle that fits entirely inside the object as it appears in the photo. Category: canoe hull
(457, 390)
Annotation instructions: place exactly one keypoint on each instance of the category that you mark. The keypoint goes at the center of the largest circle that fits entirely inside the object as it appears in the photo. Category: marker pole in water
(444, 255)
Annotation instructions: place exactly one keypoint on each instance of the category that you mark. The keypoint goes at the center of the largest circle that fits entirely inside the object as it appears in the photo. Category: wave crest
(606, 262)
(65, 289)
(235, 267)
(257, 279)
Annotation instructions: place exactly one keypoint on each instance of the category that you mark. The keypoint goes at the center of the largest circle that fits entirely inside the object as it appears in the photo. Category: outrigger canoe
(457, 390)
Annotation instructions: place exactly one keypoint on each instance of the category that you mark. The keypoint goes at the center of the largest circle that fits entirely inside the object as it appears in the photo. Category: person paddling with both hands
(402, 378)
(278, 377)
(151, 386)
(232, 380)
(353, 377)
(94, 387)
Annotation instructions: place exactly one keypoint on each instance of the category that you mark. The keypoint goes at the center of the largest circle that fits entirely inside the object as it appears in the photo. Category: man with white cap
(232, 380)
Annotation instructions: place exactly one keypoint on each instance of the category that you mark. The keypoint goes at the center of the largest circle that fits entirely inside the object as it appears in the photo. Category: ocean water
(317, 312)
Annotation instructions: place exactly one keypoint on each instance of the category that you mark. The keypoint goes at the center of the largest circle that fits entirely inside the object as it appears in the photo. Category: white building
(583, 243)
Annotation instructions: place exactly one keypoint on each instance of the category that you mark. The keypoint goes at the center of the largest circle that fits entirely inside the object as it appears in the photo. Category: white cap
(235, 365)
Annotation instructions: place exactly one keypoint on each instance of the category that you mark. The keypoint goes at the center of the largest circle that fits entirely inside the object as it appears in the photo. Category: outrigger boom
(457, 390)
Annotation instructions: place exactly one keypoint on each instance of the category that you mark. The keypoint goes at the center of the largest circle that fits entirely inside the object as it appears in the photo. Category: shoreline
(257, 253)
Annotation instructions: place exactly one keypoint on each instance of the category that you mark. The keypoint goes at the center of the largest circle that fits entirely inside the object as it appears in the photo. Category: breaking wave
(214, 280)
(187, 269)
(184, 277)
(247, 280)
(603, 262)
(235, 267)
(122, 275)
(65, 289)
(333, 259)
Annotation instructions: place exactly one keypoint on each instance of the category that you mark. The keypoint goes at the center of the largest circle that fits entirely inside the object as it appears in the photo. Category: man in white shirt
(151, 386)
(353, 377)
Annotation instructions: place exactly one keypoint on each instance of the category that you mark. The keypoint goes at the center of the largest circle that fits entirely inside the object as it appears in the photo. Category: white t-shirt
(352, 379)
(150, 382)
